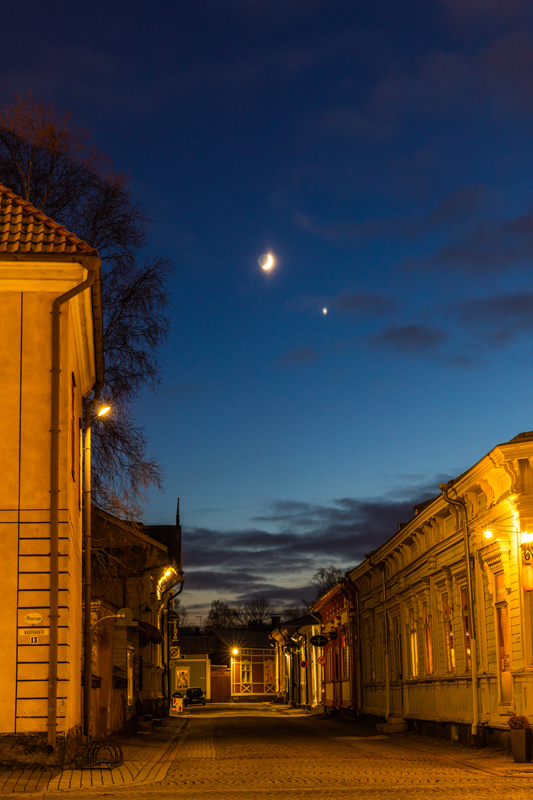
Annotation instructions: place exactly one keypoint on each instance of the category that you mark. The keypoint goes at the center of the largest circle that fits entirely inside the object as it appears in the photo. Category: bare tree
(49, 161)
(182, 612)
(222, 614)
(325, 579)
(293, 612)
(257, 610)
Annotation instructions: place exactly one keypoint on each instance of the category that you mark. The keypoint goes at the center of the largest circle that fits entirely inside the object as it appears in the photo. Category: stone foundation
(30, 750)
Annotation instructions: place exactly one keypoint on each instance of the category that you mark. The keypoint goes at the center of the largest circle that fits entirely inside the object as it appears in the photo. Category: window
(466, 629)
(269, 671)
(428, 647)
(449, 645)
(182, 678)
(413, 643)
(504, 650)
(246, 672)
(343, 651)
(396, 661)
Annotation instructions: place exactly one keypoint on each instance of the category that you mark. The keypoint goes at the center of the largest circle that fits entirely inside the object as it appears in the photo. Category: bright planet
(266, 261)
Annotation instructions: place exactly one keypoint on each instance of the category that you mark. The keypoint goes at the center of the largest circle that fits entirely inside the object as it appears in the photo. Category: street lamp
(87, 631)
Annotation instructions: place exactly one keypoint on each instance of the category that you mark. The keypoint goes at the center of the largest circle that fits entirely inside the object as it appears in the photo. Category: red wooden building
(338, 609)
(250, 658)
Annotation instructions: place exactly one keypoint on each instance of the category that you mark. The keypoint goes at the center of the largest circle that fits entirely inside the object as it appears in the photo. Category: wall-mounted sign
(319, 640)
(174, 632)
(333, 635)
(303, 664)
(33, 618)
(33, 635)
(321, 660)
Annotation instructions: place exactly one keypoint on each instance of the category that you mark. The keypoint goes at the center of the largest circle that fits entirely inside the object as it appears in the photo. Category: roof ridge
(19, 236)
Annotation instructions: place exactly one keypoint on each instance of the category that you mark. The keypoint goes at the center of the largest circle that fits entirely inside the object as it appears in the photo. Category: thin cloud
(418, 339)
(499, 319)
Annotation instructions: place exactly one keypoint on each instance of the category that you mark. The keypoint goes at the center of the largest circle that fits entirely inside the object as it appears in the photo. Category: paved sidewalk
(147, 758)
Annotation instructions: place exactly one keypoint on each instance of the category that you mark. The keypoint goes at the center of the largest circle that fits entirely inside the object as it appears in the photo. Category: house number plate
(33, 635)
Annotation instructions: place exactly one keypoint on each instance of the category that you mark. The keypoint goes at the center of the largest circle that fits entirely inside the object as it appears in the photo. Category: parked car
(194, 696)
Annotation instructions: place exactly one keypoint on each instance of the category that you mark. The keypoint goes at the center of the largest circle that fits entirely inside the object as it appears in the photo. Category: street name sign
(32, 635)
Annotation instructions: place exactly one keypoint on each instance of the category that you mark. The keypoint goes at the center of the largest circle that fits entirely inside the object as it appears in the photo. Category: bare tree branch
(50, 162)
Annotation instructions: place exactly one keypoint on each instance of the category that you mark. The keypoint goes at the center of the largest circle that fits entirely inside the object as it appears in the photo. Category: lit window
(246, 672)
(428, 646)
(466, 630)
(448, 634)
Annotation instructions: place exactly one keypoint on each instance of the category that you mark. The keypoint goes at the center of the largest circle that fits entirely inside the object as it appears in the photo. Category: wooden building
(51, 357)
(250, 658)
(299, 668)
(191, 667)
(439, 622)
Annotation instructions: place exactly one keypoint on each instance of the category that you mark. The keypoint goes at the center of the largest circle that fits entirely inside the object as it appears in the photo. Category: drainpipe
(87, 554)
(302, 636)
(385, 623)
(92, 264)
(459, 503)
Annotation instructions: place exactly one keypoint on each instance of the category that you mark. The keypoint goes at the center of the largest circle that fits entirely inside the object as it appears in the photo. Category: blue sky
(382, 152)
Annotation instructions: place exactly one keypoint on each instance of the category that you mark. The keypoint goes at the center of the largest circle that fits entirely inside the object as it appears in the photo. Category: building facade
(300, 670)
(135, 567)
(250, 657)
(50, 357)
(439, 618)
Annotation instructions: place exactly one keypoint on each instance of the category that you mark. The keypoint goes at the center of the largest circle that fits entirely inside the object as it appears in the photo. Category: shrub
(516, 722)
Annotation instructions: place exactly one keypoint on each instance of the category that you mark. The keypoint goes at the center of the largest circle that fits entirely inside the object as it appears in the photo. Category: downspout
(92, 264)
(386, 626)
(301, 635)
(459, 503)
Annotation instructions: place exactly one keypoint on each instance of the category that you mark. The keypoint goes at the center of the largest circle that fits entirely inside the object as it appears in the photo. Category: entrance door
(220, 685)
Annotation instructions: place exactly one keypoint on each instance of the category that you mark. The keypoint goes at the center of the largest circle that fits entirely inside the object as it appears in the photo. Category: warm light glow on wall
(526, 537)
(527, 578)
(162, 579)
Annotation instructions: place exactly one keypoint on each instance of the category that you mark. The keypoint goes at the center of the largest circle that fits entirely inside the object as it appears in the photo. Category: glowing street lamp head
(266, 261)
(103, 410)
(235, 651)
(487, 534)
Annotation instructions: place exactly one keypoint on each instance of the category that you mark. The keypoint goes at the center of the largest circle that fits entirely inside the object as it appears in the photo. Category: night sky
(382, 151)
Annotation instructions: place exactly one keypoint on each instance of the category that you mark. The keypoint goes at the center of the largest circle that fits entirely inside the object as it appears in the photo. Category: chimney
(276, 619)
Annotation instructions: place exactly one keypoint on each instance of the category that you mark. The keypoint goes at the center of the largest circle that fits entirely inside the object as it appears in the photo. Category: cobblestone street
(266, 751)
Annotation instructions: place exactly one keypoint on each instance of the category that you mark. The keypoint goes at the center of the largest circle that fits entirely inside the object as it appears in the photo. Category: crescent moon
(267, 263)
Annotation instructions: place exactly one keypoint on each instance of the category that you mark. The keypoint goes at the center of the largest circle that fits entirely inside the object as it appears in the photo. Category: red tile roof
(25, 229)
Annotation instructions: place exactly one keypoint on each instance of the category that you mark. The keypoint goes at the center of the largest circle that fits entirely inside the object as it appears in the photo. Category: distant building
(299, 673)
(192, 668)
(135, 567)
(249, 658)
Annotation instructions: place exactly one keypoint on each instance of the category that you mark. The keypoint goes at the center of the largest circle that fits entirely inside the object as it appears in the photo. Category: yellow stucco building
(51, 356)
